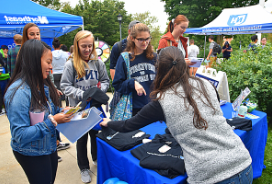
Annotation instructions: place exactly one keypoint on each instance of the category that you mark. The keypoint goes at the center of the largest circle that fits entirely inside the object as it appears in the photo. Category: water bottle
(242, 111)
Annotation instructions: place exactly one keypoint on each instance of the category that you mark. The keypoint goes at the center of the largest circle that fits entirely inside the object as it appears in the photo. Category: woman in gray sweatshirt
(82, 72)
(212, 152)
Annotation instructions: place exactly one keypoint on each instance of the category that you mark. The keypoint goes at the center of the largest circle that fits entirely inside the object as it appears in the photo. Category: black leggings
(39, 169)
(82, 158)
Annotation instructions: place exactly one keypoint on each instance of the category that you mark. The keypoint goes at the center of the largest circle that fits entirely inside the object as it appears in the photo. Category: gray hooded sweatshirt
(74, 88)
(59, 59)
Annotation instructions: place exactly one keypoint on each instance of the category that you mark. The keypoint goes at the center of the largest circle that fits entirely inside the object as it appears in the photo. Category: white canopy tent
(245, 20)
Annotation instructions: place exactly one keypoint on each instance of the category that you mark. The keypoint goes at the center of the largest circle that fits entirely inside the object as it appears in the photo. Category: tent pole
(82, 27)
(204, 46)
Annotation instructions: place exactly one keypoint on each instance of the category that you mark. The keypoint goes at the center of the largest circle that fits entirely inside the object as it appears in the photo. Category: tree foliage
(53, 4)
(202, 12)
(149, 20)
(100, 18)
(253, 71)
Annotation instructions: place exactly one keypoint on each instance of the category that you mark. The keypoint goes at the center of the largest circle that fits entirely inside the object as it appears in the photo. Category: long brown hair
(79, 64)
(27, 26)
(177, 20)
(135, 30)
(173, 72)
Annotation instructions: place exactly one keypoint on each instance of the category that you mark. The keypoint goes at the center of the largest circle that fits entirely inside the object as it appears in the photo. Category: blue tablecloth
(121, 164)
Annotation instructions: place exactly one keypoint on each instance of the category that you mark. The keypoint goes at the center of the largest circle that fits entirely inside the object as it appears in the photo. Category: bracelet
(52, 120)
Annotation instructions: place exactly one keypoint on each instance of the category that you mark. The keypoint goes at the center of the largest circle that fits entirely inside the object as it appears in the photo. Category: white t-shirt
(180, 47)
(193, 51)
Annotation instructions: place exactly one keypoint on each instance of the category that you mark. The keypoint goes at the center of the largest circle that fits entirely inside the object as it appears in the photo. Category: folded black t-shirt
(240, 123)
(169, 164)
(122, 141)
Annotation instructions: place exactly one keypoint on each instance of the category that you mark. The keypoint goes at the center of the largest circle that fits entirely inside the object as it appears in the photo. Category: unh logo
(236, 20)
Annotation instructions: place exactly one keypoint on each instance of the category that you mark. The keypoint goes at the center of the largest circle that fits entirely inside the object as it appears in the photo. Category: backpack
(217, 48)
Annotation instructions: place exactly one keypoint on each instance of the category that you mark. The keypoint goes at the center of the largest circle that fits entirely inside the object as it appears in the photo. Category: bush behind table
(255, 72)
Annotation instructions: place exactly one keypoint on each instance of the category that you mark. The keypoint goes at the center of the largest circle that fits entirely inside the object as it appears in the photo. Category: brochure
(197, 62)
(80, 124)
(237, 102)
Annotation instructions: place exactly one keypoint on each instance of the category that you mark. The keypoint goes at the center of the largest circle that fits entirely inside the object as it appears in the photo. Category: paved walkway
(12, 173)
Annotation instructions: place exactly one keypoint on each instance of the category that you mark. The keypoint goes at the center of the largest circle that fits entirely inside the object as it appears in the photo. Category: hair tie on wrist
(174, 62)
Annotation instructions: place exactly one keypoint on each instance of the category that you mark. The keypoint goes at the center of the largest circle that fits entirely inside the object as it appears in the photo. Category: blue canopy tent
(15, 14)
(245, 20)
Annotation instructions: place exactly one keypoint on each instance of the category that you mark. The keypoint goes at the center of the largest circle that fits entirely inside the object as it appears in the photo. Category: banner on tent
(218, 79)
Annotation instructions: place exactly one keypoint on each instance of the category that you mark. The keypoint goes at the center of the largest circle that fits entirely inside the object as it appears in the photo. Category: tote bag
(123, 109)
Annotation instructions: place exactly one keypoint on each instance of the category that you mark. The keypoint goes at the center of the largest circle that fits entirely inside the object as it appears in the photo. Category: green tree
(150, 20)
(202, 12)
(53, 4)
(100, 18)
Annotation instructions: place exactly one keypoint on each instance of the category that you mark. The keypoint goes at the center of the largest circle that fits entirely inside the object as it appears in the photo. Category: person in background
(12, 54)
(59, 59)
(174, 36)
(81, 73)
(211, 56)
(72, 49)
(226, 50)
(142, 67)
(263, 41)
(193, 51)
(34, 145)
(252, 46)
(65, 49)
(212, 152)
(31, 31)
(4, 76)
(4, 55)
(118, 48)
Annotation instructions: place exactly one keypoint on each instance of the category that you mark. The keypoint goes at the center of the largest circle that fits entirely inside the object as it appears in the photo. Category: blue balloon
(111, 181)
(121, 182)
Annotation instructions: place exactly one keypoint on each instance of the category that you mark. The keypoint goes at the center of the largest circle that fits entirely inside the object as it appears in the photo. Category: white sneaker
(95, 163)
(85, 176)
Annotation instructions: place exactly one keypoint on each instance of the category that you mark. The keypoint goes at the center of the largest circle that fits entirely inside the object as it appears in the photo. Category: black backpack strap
(120, 49)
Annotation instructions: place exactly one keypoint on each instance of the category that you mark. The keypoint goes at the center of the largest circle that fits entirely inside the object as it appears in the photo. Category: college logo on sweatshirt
(147, 72)
(90, 79)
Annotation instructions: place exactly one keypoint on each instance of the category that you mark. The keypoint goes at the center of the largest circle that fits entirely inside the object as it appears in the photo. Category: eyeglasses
(141, 40)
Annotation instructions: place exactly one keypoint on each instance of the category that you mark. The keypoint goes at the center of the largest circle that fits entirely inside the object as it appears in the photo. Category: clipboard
(79, 126)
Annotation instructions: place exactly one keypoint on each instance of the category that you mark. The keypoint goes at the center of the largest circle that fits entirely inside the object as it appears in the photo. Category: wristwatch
(54, 122)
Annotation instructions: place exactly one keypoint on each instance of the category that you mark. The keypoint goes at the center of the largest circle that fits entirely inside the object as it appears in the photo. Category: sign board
(218, 79)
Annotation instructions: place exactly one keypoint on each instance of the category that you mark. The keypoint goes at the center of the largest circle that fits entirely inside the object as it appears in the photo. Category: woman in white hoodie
(59, 59)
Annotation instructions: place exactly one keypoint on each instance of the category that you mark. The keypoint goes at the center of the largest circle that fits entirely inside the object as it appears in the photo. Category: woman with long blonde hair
(82, 72)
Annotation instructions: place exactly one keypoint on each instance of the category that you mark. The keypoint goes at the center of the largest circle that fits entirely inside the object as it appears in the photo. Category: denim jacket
(36, 140)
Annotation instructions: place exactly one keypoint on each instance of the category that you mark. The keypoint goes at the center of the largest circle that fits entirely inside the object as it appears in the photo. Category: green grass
(266, 177)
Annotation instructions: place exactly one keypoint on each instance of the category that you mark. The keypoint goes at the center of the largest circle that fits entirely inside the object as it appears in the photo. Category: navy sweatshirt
(141, 70)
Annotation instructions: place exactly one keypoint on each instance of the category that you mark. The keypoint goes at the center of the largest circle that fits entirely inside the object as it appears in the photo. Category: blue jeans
(243, 177)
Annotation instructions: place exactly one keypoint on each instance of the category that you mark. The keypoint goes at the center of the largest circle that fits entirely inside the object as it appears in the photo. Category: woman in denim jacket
(30, 90)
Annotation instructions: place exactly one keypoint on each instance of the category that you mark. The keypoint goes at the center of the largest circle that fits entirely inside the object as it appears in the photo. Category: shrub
(253, 71)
